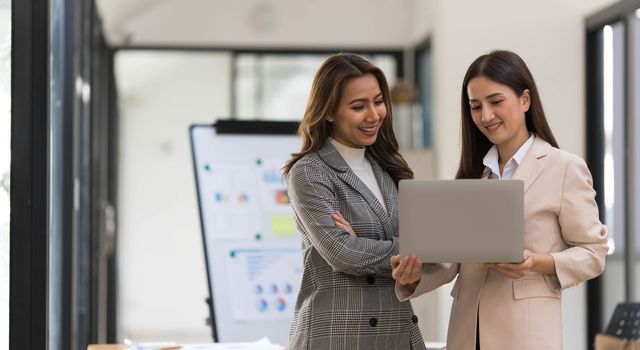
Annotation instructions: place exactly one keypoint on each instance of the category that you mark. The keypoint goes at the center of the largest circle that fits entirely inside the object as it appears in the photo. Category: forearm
(314, 202)
(432, 277)
(406, 291)
(362, 256)
(352, 255)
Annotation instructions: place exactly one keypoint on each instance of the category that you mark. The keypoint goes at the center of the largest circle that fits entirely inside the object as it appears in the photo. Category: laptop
(465, 221)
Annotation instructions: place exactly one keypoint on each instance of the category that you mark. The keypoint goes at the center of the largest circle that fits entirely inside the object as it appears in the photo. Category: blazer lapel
(332, 158)
(531, 166)
(390, 196)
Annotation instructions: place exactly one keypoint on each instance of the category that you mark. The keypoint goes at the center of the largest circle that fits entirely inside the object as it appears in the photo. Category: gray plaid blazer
(347, 298)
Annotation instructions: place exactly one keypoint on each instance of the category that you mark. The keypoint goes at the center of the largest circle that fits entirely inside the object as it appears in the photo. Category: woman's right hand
(406, 270)
(343, 223)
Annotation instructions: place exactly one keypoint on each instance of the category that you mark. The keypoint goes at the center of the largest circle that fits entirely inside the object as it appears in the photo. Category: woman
(348, 169)
(505, 135)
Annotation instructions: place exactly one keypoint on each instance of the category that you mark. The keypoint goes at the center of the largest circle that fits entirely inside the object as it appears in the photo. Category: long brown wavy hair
(324, 99)
(506, 68)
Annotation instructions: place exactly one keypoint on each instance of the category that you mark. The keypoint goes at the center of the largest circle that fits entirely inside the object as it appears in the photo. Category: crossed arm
(315, 203)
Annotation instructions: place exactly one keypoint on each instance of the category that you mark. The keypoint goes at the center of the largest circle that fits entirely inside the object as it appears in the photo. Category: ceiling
(257, 23)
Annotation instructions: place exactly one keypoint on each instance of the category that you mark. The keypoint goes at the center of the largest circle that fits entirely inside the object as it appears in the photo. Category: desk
(124, 347)
(111, 347)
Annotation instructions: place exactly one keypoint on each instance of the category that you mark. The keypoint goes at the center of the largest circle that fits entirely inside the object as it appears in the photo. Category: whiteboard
(252, 250)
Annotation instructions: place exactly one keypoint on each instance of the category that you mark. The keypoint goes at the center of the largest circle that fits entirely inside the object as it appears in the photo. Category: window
(5, 160)
(613, 150)
(614, 158)
(271, 86)
(57, 207)
(634, 115)
(424, 79)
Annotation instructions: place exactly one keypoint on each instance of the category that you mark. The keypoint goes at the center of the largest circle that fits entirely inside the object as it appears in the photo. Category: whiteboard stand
(252, 250)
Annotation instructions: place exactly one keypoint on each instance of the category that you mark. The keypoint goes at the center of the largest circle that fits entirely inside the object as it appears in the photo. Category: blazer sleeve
(433, 276)
(314, 201)
(581, 229)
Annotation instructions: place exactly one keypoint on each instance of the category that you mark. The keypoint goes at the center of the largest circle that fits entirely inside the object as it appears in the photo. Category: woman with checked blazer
(347, 173)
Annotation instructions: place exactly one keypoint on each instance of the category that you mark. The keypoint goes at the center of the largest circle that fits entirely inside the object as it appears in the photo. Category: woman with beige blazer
(505, 135)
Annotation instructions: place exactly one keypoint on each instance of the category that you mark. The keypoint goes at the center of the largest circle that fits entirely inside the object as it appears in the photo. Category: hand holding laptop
(513, 270)
(406, 270)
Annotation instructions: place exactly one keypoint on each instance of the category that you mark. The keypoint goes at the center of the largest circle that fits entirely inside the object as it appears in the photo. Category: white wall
(554, 52)
(162, 276)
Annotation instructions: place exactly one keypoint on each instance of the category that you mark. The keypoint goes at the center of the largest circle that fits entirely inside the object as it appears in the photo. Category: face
(360, 112)
(498, 112)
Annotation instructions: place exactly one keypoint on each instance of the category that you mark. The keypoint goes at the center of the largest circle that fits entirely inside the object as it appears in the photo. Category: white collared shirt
(491, 160)
(361, 167)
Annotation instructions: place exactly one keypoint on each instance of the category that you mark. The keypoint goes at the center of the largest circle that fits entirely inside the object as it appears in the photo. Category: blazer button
(414, 318)
(371, 279)
(373, 321)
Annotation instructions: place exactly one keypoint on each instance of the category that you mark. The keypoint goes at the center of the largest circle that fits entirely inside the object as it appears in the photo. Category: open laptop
(470, 221)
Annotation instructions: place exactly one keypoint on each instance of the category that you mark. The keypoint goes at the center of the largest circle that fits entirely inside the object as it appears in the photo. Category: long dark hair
(506, 68)
(324, 99)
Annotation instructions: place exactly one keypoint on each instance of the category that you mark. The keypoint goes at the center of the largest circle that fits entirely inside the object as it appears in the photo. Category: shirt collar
(490, 160)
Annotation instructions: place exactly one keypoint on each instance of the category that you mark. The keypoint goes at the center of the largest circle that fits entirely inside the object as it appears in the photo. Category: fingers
(398, 270)
(338, 218)
(525, 265)
(513, 271)
(407, 270)
(527, 253)
(412, 271)
(342, 223)
(395, 261)
(347, 228)
(509, 274)
(416, 271)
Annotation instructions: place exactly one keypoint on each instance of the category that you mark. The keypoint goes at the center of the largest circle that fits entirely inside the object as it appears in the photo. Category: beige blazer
(561, 219)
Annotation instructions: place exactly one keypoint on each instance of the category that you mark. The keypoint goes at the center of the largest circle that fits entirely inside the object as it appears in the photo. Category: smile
(493, 127)
(368, 130)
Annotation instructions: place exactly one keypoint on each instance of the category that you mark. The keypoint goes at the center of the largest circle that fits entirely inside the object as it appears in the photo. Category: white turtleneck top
(355, 159)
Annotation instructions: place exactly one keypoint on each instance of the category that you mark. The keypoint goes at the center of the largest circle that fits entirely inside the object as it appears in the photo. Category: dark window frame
(29, 175)
(420, 71)
(83, 53)
(398, 54)
(618, 12)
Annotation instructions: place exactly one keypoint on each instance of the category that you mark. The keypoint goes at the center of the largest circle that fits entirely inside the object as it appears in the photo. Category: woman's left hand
(342, 223)
(515, 271)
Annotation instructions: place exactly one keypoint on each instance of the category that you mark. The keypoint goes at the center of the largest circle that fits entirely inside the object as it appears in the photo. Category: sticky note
(282, 225)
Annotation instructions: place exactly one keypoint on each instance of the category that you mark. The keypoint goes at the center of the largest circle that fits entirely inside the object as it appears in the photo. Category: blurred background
(99, 226)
